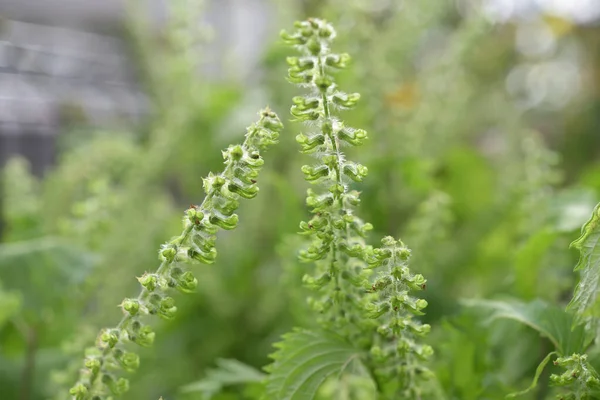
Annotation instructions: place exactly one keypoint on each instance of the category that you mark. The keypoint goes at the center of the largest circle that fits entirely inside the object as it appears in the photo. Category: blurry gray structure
(56, 56)
(66, 57)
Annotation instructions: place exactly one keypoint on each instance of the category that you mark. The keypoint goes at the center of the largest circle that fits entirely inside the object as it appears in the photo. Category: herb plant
(99, 378)
(364, 296)
(486, 189)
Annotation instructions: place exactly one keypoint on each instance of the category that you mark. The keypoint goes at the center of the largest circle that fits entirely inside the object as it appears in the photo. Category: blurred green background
(484, 157)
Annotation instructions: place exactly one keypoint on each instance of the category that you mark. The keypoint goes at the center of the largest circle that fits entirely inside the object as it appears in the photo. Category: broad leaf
(228, 373)
(550, 321)
(529, 261)
(304, 360)
(588, 245)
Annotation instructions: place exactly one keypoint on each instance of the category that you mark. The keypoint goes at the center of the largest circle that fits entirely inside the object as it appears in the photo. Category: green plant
(458, 166)
(579, 375)
(99, 378)
(364, 295)
(572, 332)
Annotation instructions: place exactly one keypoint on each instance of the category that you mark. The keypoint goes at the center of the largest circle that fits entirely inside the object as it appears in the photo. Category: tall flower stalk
(363, 294)
(99, 378)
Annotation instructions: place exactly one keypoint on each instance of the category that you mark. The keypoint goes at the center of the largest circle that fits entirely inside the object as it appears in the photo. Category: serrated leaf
(538, 372)
(588, 244)
(228, 373)
(304, 360)
(552, 322)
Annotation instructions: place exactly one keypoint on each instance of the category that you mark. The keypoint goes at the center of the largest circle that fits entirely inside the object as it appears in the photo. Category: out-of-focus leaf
(42, 269)
(569, 209)
(71, 262)
(552, 322)
(10, 303)
(228, 373)
(528, 261)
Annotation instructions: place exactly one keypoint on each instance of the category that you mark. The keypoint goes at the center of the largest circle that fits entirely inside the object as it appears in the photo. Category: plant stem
(27, 374)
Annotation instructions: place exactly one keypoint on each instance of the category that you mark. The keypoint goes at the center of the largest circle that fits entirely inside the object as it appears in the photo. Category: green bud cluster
(363, 293)
(579, 377)
(99, 376)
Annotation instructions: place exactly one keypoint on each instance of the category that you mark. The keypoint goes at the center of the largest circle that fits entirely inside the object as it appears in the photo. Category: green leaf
(228, 373)
(538, 372)
(588, 244)
(570, 208)
(550, 321)
(304, 360)
(10, 304)
(41, 271)
(529, 261)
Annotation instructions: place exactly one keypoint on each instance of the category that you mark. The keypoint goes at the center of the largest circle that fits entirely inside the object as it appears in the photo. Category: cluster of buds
(99, 378)
(363, 293)
(397, 351)
(579, 376)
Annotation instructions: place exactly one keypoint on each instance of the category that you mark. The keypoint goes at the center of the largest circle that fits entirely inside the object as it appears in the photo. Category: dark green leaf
(550, 321)
(304, 360)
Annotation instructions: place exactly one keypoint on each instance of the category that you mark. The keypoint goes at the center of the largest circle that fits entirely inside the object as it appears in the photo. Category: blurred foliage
(482, 170)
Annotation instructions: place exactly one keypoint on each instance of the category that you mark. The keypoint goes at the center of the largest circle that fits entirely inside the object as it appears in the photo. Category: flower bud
(272, 123)
(292, 39)
(131, 306)
(376, 310)
(166, 308)
(186, 283)
(323, 83)
(110, 337)
(235, 153)
(129, 361)
(93, 364)
(354, 137)
(316, 283)
(149, 281)
(142, 335)
(168, 253)
(223, 222)
(310, 144)
(312, 174)
(424, 352)
(203, 257)
(304, 115)
(194, 215)
(121, 386)
(338, 60)
(79, 391)
(345, 100)
(355, 171)
(314, 46)
(247, 192)
(337, 189)
(388, 241)
(326, 31)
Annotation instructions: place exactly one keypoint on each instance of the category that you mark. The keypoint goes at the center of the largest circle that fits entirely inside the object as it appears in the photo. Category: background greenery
(484, 157)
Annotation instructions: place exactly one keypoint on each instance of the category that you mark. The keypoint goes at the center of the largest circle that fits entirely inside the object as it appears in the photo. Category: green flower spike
(98, 378)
